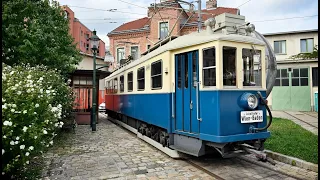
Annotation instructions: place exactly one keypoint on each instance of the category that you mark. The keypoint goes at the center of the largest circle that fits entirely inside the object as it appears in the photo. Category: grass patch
(291, 139)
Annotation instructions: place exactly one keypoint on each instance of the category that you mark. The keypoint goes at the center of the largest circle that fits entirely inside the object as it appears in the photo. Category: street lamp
(94, 42)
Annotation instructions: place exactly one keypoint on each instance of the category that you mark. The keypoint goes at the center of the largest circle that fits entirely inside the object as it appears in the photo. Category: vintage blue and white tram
(206, 88)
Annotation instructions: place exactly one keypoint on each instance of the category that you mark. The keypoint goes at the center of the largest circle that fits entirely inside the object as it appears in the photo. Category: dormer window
(163, 30)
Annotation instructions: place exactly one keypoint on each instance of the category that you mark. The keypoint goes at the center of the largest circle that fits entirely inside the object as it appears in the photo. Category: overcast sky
(253, 10)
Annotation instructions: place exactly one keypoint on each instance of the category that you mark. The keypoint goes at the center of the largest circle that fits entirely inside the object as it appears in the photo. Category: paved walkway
(307, 120)
(112, 153)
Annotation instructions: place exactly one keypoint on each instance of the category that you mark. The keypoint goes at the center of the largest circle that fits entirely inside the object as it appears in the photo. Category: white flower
(41, 78)
(34, 112)
(28, 90)
(29, 76)
(45, 132)
(22, 146)
(11, 143)
(3, 151)
(51, 142)
(27, 162)
(35, 137)
(27, 153)
(7, 123)
(4, 106)
(13, 105)
(17, 142)
(24, 129)
(31, 148)
(13, 110)
(25, 111)
(37, 105)
(3, 100)
(17, 138)
(19, 92)
(48, 91)
(4, 137)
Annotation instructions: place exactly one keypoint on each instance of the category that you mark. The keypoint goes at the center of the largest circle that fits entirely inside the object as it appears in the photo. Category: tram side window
(115, 85)
(121, 83)
(229, 66)
(130, 81)
(156, 75)
(140, 77)
(251, 67)
(209, 67)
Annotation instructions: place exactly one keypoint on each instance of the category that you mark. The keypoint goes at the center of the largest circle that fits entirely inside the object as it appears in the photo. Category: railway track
(218, 167)
(302, 119)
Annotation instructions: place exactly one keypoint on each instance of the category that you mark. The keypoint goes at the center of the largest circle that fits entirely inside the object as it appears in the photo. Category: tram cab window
(251, 67)
(115, 85)
(229, 66)
(121, 83)
(209, 67)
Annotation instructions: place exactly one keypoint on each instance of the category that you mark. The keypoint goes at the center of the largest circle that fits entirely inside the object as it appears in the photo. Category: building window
(306, 45)
(87, 36)
(121, 83)
(140, 77)
(81, 43)
(163, 30)
(299, 77)
(280, 47)
(315, 76)
(209, 67)
(229, 66)
(115, 85)
(87, 47)
(81, 33)
(156, 75)
(120, 54)
(130, 81)
(282, 78)
(251, 67)
(135, 52)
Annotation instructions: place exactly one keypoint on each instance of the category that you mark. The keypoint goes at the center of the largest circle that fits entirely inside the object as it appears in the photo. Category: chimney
(211, 4)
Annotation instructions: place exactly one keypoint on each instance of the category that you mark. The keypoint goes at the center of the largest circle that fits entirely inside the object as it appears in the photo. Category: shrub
(34, 102)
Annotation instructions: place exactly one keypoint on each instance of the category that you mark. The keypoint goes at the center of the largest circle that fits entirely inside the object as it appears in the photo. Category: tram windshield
(251, 67)
(229, 66)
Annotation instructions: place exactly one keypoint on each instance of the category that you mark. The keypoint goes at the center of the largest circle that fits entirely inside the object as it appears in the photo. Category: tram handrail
(197, 99)
(172, 101)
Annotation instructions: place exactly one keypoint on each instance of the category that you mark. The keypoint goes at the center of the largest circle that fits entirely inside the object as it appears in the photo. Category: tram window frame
(209, 67)
(251, 62)
(153, 76)
(130, 81)
(115, 85)
(110, 87)
(141, 79)
(121, 83)
(224, 67)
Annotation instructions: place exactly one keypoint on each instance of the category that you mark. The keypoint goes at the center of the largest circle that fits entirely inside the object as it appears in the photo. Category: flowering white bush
(35, 101)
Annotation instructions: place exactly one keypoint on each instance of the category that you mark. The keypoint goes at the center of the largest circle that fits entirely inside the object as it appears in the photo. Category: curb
(292, 161)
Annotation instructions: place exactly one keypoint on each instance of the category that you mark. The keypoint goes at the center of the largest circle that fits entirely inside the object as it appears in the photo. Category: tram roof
(188, 40)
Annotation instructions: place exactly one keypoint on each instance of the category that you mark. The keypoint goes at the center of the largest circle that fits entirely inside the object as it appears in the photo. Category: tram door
(186, 65)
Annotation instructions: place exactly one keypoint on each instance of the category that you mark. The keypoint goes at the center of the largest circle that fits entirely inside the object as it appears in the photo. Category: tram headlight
(252, 101)
(249, 101)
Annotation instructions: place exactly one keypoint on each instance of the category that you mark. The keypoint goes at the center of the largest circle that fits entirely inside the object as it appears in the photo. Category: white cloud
(254, 10)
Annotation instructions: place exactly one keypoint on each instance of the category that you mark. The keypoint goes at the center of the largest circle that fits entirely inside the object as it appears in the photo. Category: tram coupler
(258, 154)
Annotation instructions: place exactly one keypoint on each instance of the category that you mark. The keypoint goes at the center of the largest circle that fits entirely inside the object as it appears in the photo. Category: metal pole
(199, 16)
(94, 99)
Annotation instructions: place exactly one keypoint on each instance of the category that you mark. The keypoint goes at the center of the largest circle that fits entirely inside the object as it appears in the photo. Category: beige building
(297, 79)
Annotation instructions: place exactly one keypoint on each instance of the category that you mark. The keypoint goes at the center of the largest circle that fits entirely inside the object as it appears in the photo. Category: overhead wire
(285, 18)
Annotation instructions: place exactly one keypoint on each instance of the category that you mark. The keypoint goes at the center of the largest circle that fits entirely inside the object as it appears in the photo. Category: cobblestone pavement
(113, 153)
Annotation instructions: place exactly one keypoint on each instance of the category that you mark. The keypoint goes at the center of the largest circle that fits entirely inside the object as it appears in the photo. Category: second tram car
(206, 88)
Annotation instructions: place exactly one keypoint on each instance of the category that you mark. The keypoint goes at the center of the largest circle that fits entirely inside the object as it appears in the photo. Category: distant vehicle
(102, 107)
(198, 90)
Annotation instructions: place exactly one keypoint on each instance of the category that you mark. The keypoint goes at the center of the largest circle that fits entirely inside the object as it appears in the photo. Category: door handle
(197, 99)
(191, 105)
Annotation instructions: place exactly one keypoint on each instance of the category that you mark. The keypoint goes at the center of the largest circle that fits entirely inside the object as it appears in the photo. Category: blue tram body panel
(220, 113)
(154, 109)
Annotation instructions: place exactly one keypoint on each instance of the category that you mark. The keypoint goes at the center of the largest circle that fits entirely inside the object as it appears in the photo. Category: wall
(292, 43)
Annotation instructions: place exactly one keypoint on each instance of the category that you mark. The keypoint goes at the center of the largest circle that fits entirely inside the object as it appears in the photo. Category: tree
(35, 32)
(312, 55)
